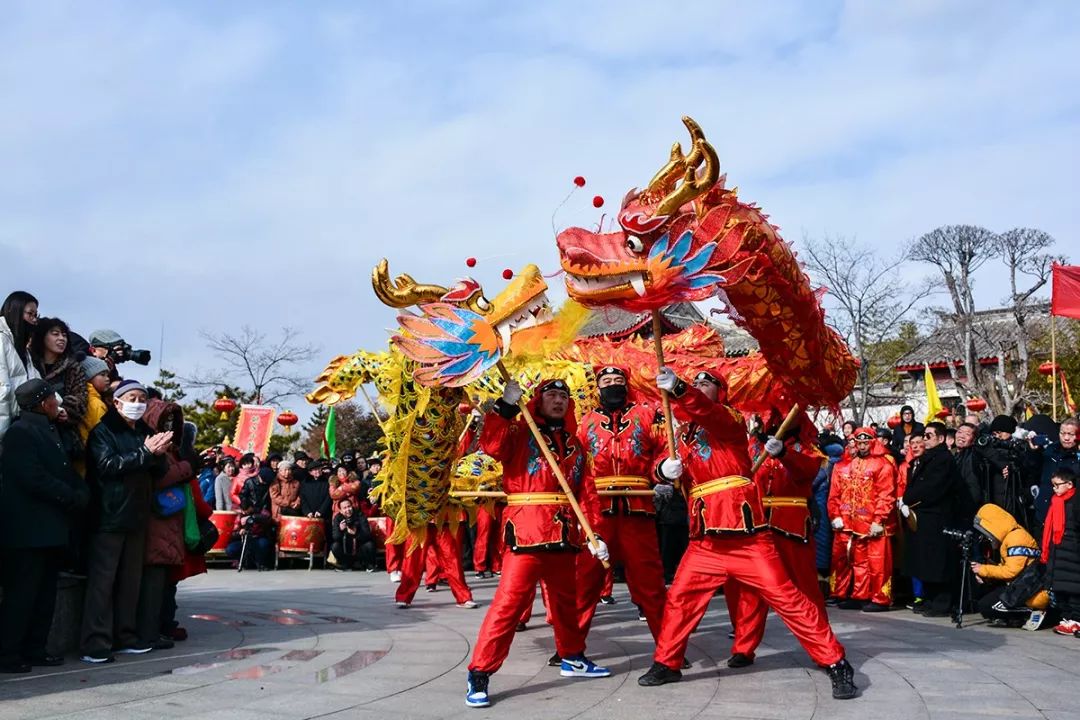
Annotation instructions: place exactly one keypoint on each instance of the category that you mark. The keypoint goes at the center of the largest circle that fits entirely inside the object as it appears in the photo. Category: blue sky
(207, 165)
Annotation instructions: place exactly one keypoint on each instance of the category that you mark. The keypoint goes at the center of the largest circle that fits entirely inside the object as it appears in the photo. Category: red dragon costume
(624, 444)
(862, 509)
(784, 485)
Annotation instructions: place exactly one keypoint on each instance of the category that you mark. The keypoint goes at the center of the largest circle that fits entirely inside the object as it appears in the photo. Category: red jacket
(863, 491)
(533, 527)
(786, 484)
(713, 448)
(624, 444)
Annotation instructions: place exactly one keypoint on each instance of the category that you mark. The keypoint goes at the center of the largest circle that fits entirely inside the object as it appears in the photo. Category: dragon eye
(634, 245)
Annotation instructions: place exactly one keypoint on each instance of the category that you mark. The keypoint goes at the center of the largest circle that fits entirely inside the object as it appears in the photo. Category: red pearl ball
(507, 274)
(598, 201)
(471, 262)
(579, 181)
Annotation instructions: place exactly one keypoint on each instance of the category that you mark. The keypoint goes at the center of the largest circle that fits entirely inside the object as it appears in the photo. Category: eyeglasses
(1060, 484)
(929, 436)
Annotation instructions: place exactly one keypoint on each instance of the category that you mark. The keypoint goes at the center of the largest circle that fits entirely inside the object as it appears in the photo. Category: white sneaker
(395, 577)
(469, 604)
(1035, 620)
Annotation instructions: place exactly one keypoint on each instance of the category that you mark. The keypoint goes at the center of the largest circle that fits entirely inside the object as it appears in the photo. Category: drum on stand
(301, 536)
(225, 522)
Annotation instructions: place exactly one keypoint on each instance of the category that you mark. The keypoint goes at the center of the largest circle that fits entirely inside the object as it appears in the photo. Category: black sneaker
(432, 588)
(740, 660)
(872, 607)
(607, 600)
(555, 661)
(842, 676)
(659, 675)
(45, 660)
(850, 604)
(163, 643)
(832, 601)
(521, 627)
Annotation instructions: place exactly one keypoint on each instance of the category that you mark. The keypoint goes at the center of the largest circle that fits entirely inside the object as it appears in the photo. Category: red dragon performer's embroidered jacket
(716, 467)
(785, 485)
(863, 491)
(537, 516)
(623, 448)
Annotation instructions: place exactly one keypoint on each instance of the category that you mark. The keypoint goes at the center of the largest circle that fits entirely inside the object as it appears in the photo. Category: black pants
(674, 540)
(113, 577)
(151, 594)
(167, 621)
(349, 552)
(29, 580)
(986, 606)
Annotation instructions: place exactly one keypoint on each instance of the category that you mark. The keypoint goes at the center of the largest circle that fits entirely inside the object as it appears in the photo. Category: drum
(381, 527)
(298, 534)
(225, 522)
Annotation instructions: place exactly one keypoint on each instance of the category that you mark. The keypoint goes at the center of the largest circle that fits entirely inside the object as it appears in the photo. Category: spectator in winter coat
(353, 546)
(39, 491)
(284, 492)
(51, 354)
(125, 458)
(194, 564)
(249, 468)
(223, 483)
(907, 427)
(344, 485)
(1062, 454)
(1061, 551)
(18, 315)
(833, 447)
(1018, 550)
(96, 372)
(315, 501)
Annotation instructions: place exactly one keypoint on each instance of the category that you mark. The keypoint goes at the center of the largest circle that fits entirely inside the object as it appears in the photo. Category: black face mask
(613, 397)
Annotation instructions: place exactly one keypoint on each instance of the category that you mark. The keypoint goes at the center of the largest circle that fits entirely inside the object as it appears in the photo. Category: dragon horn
(692, 185)
(404, 291)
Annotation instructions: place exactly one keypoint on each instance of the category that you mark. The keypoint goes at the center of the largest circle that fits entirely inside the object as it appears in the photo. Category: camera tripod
(965, 586)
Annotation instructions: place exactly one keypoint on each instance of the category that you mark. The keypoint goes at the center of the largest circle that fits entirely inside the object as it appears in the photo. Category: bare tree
(252, 361)
(957, 251)
(870, 306)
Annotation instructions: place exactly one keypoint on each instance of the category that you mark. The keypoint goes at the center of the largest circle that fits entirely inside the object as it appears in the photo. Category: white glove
(511, 393)
(663, 492)
(1022, 434)
(876, 529)
(905, 510)
(671, 469)
(666, 379)
(838, 523)
(599, 550)
(774, 447)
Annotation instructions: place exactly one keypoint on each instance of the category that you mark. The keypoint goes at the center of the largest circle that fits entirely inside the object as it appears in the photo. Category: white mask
(132, 410)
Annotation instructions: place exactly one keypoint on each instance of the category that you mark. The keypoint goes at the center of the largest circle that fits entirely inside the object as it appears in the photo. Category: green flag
(329, 443)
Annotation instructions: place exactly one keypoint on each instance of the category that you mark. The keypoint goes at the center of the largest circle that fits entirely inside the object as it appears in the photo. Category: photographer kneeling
(1018, 550)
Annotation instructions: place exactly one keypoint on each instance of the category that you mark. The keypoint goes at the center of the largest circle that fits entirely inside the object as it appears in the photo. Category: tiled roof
(994, 330)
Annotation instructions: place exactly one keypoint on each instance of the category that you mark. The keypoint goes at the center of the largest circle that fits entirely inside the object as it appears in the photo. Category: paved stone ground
(298, 644)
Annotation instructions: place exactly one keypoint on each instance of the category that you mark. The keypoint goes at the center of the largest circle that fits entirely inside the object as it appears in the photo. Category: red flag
(1065, 295)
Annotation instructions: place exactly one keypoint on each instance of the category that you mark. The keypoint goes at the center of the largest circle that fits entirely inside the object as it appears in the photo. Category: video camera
(965, 538)
(122, 352)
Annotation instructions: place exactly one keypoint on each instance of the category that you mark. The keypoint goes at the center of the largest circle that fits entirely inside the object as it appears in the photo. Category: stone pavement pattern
(298, 644)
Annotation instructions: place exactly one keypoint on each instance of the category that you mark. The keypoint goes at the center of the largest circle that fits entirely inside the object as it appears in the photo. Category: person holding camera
(125, 458)
(929, 496)
(255, 521)
(1017, 550)
(38, 495)
(353, 546)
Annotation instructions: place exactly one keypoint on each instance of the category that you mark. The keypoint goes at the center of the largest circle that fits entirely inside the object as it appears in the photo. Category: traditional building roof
(994, 331)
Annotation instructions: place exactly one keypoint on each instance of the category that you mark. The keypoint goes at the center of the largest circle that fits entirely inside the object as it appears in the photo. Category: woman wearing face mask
(18, 315)
(124, 460)
(51, 354)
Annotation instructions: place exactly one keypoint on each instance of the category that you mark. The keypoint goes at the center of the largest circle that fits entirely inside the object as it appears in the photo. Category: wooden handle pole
(658, 345)
(554, 465)
(784, 427)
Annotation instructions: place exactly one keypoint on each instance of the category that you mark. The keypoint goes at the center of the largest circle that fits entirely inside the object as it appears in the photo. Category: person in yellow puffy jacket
(1018, 550)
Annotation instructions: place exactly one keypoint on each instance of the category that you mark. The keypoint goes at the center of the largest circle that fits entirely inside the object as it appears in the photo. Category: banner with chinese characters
(253, 429)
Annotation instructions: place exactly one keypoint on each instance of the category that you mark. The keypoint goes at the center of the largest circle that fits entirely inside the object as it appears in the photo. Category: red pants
(517, 588)
(487, 550)
(633, 542)
(394, 553)
(433, 571)
(863, 571)
(749, 611)
(609, 582)
(527, 615)
(753, 560)
(449, 549)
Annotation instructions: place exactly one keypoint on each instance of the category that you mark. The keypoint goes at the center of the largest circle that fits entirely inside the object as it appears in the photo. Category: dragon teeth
(637, 281)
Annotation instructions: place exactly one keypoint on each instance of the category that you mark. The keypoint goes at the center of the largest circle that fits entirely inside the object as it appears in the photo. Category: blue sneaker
(476, 694)
(582, 666)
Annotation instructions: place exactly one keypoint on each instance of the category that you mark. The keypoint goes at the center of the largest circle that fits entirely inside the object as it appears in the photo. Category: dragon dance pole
(542, 443)
(658, 345)
(374, 409)
(784, 427)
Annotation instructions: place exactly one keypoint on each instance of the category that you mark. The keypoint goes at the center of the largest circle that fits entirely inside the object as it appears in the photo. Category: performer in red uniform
(862, 502)
(541, 531)
(624, 442)
(784, 483)
(447, 546)
(488, 546)
(725, 517)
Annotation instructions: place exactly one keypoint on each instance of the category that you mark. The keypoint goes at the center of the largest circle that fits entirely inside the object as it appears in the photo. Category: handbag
(208, 535)
(170, 501)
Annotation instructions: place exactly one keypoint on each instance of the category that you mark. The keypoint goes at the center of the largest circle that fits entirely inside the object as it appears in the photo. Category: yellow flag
(933, 402)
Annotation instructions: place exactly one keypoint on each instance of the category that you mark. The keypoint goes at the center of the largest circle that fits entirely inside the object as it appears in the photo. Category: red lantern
(224, 405)
(976, 404)
(894, 422)
(1049, 368)
(287, 419)
(943, 413)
